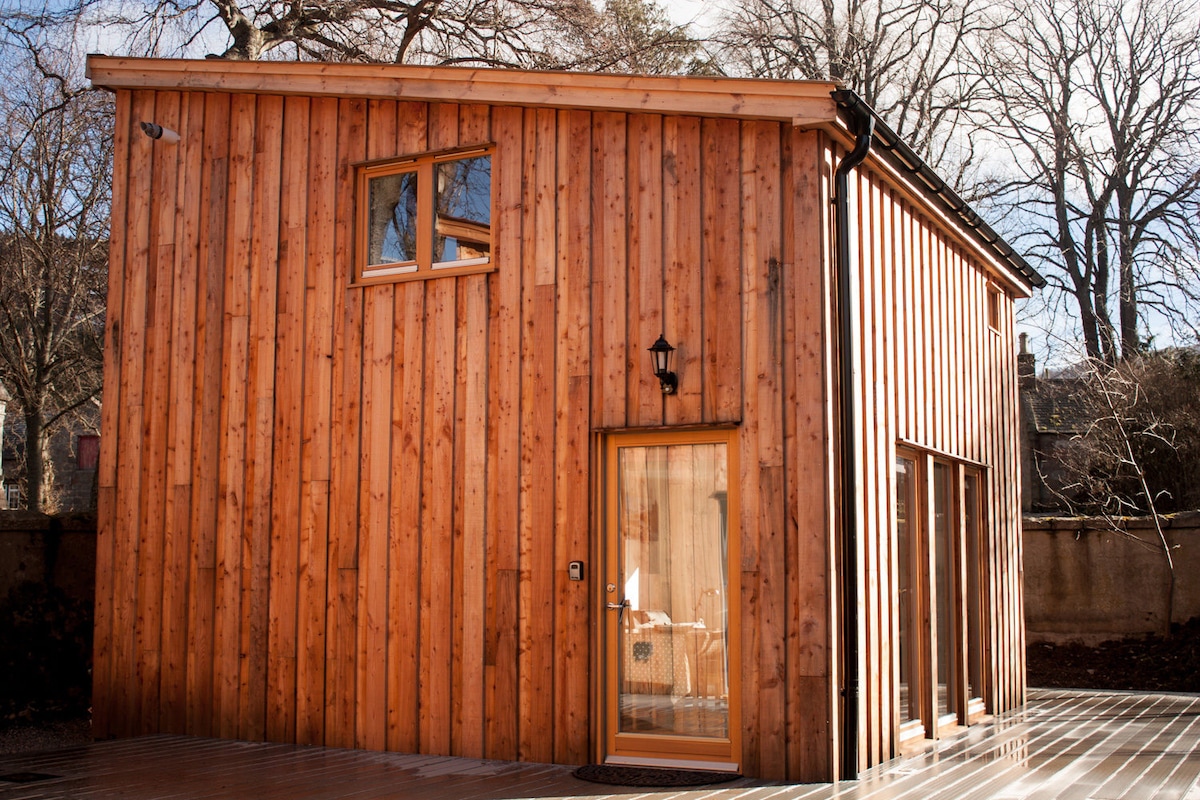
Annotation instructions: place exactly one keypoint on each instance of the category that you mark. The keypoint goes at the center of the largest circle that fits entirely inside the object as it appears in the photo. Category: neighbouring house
(1054, 411)
(386, 465)
(70, 460)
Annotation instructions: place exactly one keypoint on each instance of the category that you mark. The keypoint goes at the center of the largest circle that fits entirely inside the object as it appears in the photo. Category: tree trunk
(1130, 343)
(1088, 323)
(34, 465)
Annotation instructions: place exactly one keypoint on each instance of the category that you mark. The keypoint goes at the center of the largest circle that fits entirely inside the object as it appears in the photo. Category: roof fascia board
(806, 103)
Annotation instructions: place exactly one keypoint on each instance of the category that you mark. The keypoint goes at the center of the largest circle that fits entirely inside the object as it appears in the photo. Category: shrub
(45, 653)
(1145, 425)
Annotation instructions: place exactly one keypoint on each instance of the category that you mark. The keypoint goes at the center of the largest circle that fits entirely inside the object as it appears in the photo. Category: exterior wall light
(660, 359)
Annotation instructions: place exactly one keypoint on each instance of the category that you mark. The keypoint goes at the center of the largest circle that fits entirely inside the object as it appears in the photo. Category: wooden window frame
(975, 658)
(993, 307)
(968, 655)
(911, 728)
(423, 267)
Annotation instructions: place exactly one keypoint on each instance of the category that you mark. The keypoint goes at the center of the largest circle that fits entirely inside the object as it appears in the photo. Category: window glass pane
(974, 589)
(993, 308)
(392, 224)
(942, 555)
(906, 520)
(673, 673)
(463, 203)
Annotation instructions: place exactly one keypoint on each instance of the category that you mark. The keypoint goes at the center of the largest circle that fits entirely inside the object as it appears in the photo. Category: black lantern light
(660, 355)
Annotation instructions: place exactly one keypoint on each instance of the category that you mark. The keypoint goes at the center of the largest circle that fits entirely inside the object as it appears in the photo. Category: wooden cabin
(386, 463)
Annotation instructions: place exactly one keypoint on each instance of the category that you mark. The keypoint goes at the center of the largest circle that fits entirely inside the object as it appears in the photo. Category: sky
(692, 12)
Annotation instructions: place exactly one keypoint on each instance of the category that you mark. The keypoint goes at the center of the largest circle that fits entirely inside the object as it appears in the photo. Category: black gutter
(902, 156)
(864, 124)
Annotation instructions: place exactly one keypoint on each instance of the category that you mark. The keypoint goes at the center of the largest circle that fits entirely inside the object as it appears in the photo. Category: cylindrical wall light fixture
(156, 131)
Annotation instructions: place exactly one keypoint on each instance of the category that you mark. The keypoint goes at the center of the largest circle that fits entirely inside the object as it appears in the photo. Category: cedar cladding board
(342, 515)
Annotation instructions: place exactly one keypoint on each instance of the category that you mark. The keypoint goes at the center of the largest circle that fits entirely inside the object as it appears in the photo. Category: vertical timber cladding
(342, 515)
(934, 373)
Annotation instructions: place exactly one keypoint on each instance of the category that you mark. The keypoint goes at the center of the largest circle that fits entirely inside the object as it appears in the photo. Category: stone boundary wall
(1083, 581)
(60, 550)
(1086, 582)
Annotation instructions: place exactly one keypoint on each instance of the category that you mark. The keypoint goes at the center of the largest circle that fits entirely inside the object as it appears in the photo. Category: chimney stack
(1026, 364)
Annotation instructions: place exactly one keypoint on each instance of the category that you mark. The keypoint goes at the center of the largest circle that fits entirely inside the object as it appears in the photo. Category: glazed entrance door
(671, 599)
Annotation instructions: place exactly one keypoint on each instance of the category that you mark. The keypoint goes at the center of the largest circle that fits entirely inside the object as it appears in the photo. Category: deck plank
(1062, 745)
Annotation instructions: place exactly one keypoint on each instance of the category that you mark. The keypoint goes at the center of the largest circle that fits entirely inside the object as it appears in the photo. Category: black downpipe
(864, 121)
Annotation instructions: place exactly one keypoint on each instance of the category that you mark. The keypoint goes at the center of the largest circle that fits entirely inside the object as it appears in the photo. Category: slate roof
(1058, 405)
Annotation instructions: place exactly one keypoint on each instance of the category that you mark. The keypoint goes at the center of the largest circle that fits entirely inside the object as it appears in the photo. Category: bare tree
(1140, 451)
(1099, 102)
(55, 163)
(904, 57)
(499, 33)
(626, 36)
(487, 32)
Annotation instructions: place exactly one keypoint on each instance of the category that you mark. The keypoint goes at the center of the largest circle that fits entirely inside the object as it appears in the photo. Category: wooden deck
(1064, 745)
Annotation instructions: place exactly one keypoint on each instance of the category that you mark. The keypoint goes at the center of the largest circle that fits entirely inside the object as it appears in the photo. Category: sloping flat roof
(799, 102)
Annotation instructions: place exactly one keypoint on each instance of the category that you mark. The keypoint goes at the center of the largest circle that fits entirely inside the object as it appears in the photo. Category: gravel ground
(29, 738)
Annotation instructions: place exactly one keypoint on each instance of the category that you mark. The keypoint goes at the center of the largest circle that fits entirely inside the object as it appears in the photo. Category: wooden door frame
(658, 750)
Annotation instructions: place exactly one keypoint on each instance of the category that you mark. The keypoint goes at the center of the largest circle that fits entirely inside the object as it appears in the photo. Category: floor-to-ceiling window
(939, 602)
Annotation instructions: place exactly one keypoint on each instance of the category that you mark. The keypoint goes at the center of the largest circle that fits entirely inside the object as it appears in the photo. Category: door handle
(619, 608)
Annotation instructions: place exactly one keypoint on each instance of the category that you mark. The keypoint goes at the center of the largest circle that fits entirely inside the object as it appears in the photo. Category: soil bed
(1148, 664)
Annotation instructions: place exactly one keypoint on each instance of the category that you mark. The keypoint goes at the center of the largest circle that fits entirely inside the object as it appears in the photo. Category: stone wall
(1086, 582)
(38, 547)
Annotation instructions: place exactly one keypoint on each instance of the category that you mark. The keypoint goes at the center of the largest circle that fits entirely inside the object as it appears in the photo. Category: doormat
(26, 777)
(645, 776)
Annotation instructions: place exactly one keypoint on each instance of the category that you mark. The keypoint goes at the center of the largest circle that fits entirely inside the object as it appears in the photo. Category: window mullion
(925, 578)
(959, 562)
(425, 215)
